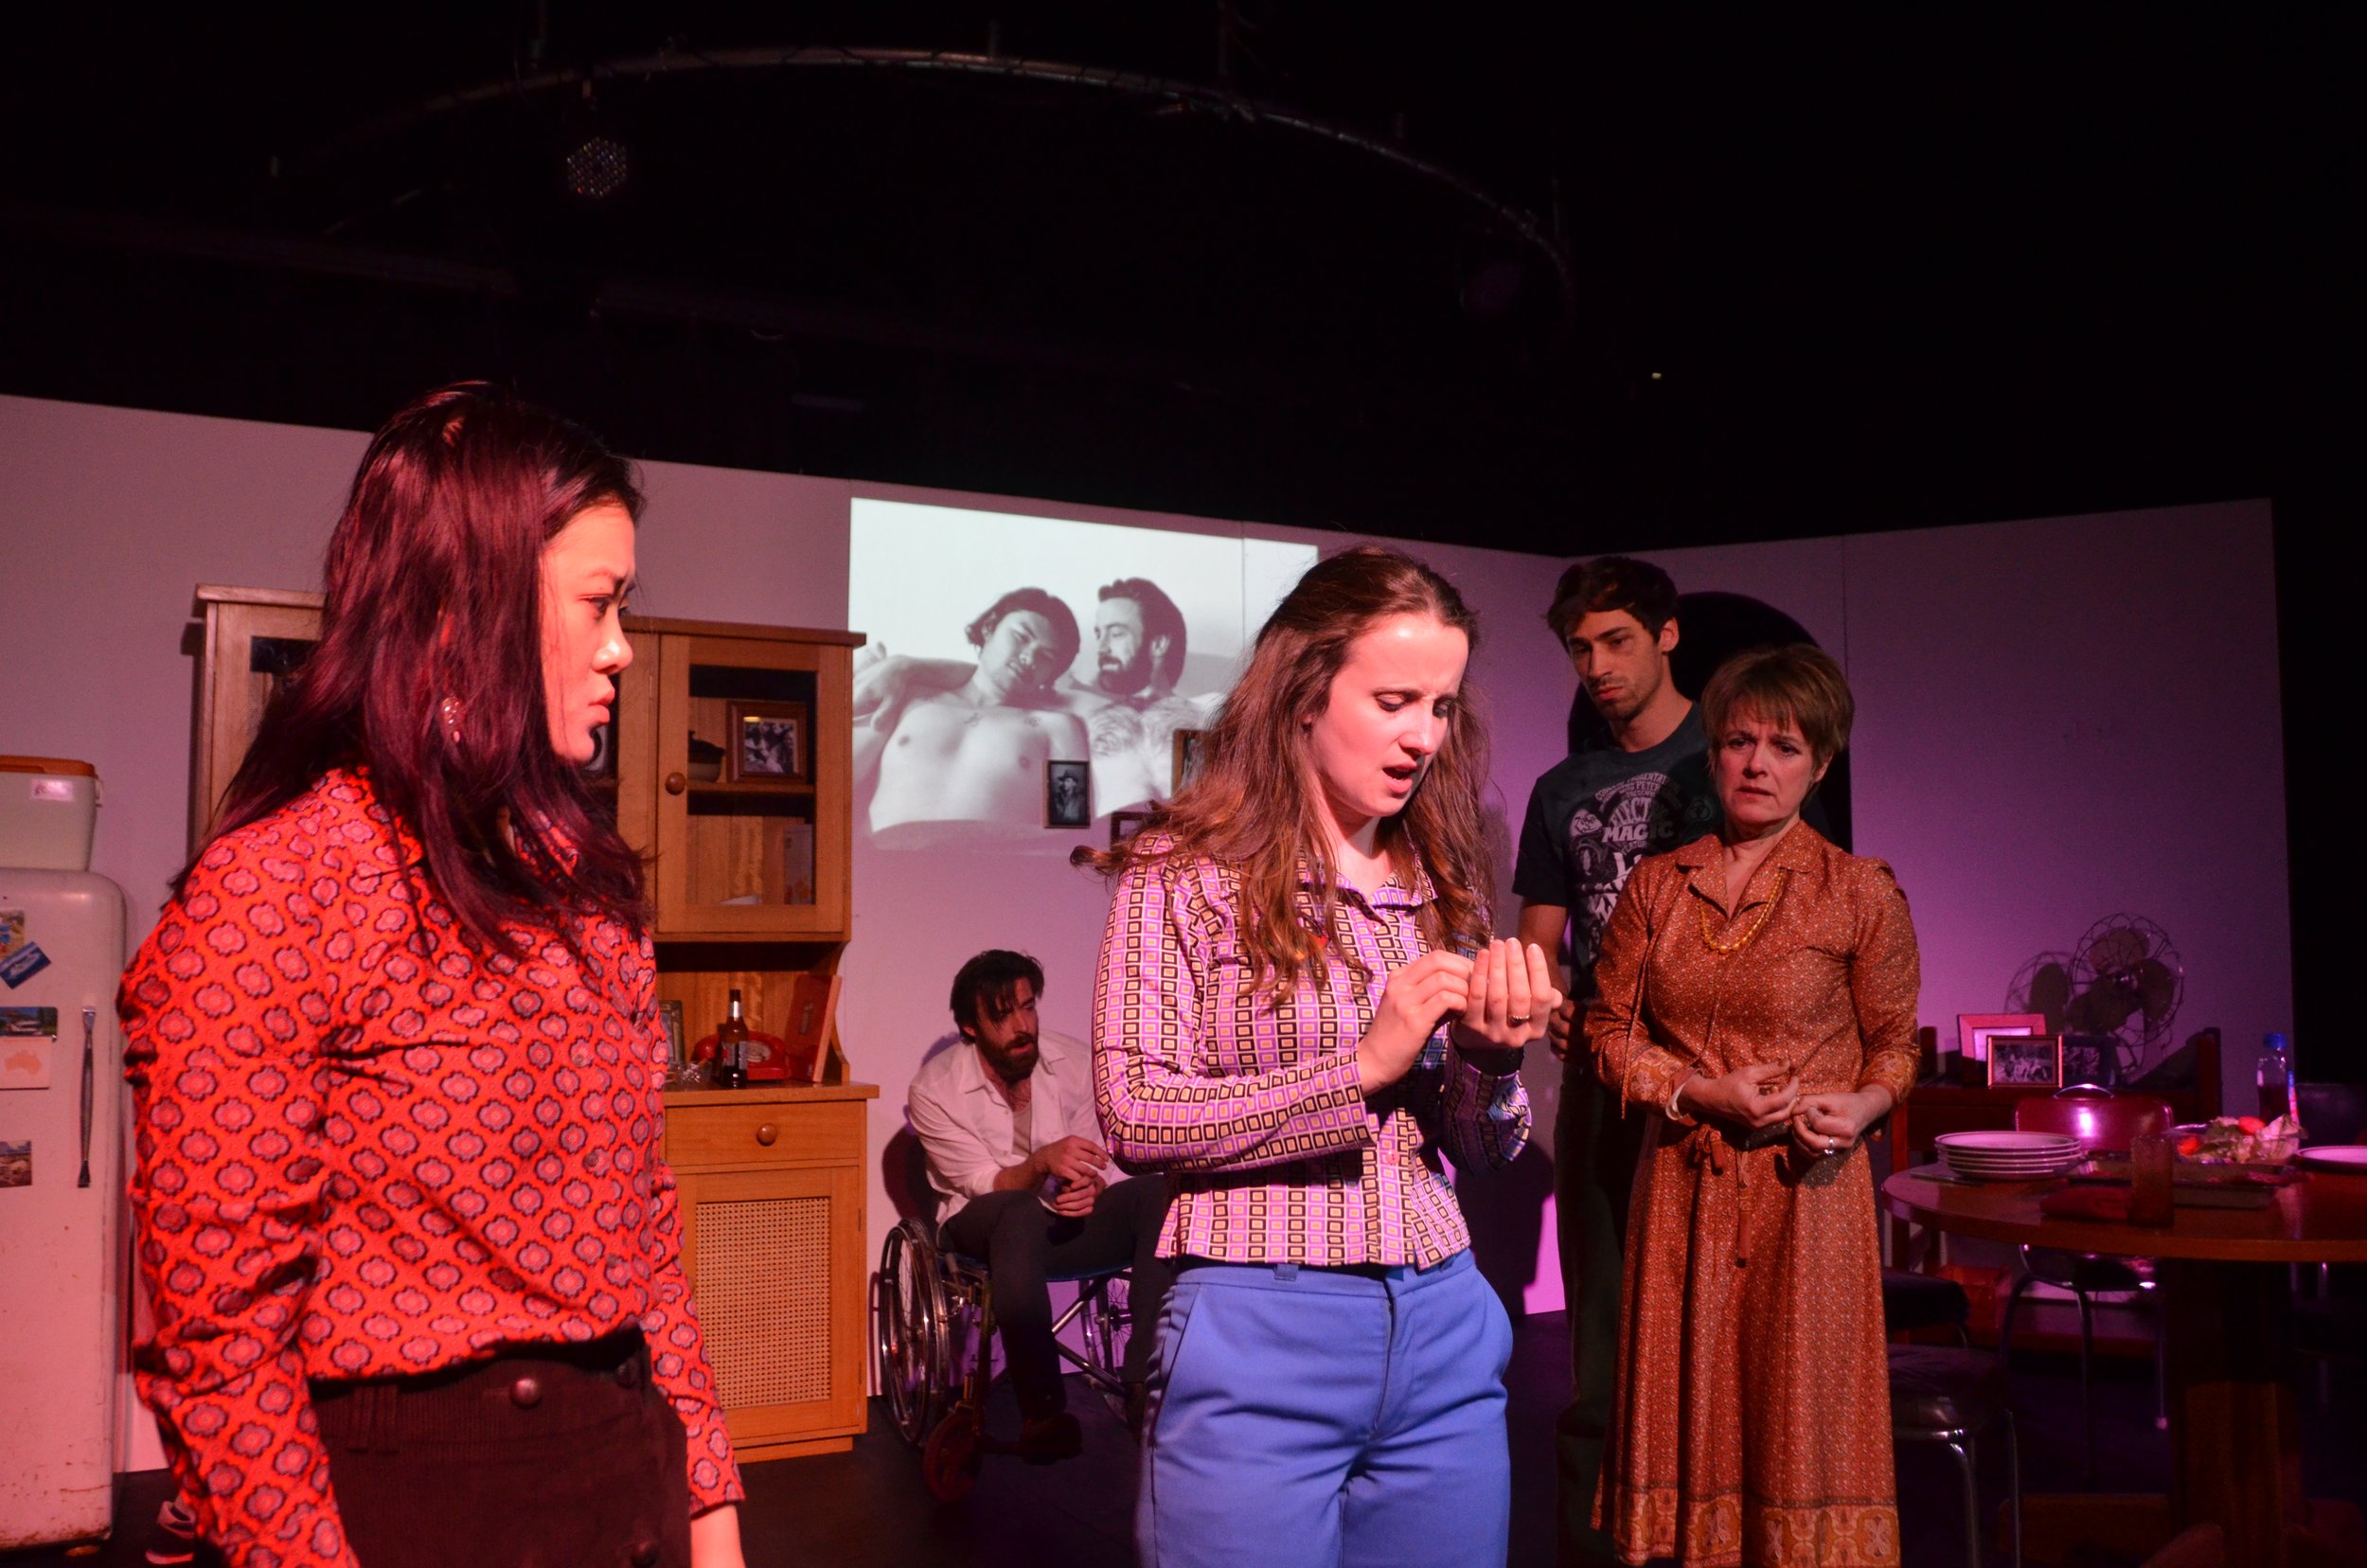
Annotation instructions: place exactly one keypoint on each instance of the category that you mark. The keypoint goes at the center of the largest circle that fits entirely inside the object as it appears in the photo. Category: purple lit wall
(2059, 719)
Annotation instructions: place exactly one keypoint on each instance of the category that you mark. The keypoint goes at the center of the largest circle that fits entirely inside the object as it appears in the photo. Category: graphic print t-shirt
(1596, 814)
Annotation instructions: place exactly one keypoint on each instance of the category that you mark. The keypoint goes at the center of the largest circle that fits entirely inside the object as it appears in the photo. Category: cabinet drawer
(718, 1136)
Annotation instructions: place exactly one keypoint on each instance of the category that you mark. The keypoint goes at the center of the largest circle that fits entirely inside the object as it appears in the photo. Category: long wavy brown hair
(1255, 802)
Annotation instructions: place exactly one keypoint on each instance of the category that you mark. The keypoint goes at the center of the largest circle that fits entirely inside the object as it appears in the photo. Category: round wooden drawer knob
(766, 1134)
(676, 783)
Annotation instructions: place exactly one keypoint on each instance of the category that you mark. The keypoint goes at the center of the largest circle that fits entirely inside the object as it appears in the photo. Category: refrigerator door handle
(89, 1028)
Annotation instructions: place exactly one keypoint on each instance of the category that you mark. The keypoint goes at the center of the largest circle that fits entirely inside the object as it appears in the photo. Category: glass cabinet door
(751, 746)
(250, 647)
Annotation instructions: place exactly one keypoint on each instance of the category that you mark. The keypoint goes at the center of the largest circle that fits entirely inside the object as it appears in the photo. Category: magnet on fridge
(23, 964)
(16, 1163)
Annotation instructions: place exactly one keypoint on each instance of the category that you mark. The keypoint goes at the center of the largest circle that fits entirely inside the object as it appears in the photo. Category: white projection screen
(1002, 643)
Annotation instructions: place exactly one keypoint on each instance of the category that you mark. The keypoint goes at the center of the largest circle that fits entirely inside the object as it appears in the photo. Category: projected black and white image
(1000, 643)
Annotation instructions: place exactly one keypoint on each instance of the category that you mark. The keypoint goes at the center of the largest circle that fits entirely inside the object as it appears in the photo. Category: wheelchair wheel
(908, 1332)
(949, 1463)
(1103, 1325)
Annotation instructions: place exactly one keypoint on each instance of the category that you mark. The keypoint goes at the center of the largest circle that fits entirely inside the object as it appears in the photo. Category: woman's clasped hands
(1501, 999)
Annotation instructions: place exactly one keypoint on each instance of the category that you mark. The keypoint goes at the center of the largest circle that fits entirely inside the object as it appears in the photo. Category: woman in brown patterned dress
(1758, 988)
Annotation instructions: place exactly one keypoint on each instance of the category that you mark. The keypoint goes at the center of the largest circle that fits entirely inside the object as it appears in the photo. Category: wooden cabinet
(246, 641)
(771, 1192)
(748, 864)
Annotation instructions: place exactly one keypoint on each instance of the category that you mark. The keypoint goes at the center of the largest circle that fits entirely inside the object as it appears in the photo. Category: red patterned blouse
(368, 1147)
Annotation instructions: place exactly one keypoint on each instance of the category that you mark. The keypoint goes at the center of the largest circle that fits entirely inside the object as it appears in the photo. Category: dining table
(2225, 1279)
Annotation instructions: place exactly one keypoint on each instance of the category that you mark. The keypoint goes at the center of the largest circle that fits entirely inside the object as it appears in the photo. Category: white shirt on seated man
(1025, 1183)
(969, 1129)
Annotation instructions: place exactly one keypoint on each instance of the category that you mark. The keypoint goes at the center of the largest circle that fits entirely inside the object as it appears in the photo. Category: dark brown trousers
(546, 1456)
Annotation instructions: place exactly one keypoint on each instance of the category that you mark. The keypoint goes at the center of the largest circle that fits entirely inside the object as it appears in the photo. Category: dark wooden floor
(867, 1508)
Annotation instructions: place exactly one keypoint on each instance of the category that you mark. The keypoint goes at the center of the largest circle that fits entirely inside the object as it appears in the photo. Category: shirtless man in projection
(971, 758)
(1130, 709)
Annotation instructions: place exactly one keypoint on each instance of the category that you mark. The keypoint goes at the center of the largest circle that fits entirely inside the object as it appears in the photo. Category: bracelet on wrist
(1669, 1107)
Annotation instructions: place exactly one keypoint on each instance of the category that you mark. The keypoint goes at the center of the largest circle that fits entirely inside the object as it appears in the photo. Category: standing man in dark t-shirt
(1641, 791)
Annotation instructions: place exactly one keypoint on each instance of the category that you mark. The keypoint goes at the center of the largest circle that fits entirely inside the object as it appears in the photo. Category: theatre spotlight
(597, 168)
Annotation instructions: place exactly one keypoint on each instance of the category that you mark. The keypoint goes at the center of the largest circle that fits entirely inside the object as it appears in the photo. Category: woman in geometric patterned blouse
(1758, 986)
(414, 1256)
(1297, 1009)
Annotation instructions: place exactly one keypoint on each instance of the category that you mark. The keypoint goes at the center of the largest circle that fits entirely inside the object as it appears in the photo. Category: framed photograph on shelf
(1125, 825)
(2026, 1061)
(806, 1031)
(1975, 1030)
(769, 744)
(2090, 1059)
(681, 1070)
(1187, 744)
(1068, 794)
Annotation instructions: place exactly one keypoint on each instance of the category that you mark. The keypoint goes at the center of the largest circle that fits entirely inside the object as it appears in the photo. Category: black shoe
(1049, 1439)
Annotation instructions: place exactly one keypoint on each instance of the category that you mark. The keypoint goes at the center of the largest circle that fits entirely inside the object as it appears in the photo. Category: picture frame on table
(1125, 825)
(768, 743)
(2090, 1059)
(1068, 794)
(1974, 1031)
(2026, 1061)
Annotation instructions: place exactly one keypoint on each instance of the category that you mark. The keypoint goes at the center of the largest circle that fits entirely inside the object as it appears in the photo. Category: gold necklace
(1709, 931)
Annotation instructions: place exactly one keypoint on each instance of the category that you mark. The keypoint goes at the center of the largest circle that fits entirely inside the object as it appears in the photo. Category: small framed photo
(806, 1036)
(677, 1048)
(770, 743)
(1068, 794)
(2091, 1060)
(1187, 745)
(1125, 825)
(1974, 1031)
(2026, 1061)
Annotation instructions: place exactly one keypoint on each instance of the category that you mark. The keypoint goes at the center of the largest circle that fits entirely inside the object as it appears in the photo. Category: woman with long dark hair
(396, 1067)
(1298, 1009)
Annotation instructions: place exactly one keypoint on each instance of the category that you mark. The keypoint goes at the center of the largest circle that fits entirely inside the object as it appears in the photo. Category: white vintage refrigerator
(61, 1111)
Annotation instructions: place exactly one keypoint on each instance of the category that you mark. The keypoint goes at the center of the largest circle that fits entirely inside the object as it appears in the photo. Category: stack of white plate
(2009, 1156)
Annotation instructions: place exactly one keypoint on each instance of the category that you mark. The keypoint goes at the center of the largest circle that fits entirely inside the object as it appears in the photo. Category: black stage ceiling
(1560, 278)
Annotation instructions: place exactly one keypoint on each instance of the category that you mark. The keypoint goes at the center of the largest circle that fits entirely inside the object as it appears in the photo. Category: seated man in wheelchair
(1023, 1184)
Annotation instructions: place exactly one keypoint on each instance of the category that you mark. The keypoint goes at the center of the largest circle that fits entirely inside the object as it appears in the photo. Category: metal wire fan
(2126, 982)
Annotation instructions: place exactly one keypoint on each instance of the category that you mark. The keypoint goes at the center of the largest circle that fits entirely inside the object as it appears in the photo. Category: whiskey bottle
(731, 1048)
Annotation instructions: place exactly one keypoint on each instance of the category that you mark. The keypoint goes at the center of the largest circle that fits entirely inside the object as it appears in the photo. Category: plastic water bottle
(2275, 1077)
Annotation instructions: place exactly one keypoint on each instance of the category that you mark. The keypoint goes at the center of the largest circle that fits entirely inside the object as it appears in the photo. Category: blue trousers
(1312, 1419)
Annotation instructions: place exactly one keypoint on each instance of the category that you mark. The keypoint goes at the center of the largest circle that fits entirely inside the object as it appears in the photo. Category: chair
(1913, 1301)
(2329, 1322)
(2332, 1113)
(2104, 1122)
(933, 1332)
(1951, 1396)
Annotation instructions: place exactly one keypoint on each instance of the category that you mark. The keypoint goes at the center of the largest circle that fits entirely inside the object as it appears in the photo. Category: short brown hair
(1794, 683)
(1611, 583)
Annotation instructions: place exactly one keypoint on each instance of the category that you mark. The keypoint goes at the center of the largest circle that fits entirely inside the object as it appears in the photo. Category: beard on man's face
(1123, 677)
(1014, 1059)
